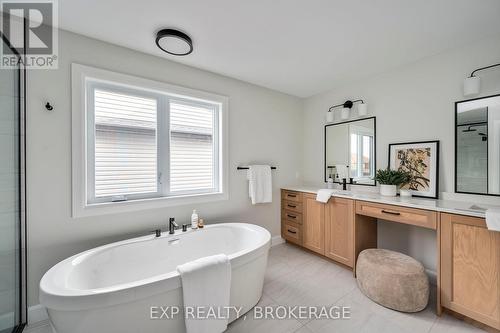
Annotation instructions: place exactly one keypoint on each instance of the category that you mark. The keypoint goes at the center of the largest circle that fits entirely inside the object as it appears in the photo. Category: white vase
(388, 190)
(405, 193)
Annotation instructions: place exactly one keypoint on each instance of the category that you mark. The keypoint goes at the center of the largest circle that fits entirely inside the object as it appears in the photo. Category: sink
(473, 208)
(342, 192)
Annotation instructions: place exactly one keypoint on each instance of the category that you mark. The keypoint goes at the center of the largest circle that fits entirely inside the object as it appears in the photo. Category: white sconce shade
(362, 109)
(472, 85)
(329, 117)
(345, 113)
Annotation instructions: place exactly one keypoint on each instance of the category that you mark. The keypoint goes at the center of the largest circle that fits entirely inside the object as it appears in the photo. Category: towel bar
(246, 168)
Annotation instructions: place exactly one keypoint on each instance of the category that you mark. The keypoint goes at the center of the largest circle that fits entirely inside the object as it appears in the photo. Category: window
(144, 140)
(193, 147)
(122, 155)
(362, 158)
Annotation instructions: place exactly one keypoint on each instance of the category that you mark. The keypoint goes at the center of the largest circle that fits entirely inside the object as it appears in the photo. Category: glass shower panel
(472, 158)
(10, 199)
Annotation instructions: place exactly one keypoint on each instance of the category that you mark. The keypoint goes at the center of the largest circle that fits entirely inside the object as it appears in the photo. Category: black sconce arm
(483, 68)
(347, 104)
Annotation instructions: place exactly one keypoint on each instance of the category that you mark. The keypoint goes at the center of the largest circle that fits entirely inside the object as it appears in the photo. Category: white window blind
(192, 147)
(125, 155)
(145, 144)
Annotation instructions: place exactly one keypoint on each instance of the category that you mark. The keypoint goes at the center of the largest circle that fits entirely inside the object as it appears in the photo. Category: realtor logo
(31, 29)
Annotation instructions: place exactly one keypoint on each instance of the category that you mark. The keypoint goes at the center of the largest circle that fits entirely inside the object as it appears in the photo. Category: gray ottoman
(393, 280)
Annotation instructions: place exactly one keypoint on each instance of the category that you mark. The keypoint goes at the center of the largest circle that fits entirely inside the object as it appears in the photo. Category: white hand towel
(260, 184)
(324, 195)
(206, 282)
(493, 219)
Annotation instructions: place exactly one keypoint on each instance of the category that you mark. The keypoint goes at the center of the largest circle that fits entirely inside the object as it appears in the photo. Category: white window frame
(92, 85)
(80, 75)
(215, 151)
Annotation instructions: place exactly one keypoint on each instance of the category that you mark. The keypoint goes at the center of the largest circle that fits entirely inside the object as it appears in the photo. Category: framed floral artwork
(421, 160)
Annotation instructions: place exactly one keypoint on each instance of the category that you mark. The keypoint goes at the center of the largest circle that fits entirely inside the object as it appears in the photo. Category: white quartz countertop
(447, 206)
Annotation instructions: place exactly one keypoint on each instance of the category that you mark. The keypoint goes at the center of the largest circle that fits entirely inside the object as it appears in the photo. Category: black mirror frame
(456, 146)
(374, 145)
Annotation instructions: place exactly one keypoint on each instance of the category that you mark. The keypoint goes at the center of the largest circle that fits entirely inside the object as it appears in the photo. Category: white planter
(388, 190)
(405, 193)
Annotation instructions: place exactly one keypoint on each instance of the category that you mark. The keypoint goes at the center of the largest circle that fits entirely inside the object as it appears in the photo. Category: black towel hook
(49, 107)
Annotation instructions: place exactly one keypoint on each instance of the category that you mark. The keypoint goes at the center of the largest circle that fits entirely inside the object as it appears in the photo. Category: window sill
(144, 204)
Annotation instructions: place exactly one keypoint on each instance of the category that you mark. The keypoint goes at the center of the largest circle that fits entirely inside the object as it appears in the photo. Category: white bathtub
(113, 287)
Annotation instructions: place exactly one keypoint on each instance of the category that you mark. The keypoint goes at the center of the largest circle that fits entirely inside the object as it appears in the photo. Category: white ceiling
(300, 47)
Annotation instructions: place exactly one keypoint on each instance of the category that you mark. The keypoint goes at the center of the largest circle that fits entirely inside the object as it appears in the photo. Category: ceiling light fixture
(472, 84)
(174, 42)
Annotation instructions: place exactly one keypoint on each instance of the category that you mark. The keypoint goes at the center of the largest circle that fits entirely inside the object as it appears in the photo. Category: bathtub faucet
(172, 226)
(157, 232)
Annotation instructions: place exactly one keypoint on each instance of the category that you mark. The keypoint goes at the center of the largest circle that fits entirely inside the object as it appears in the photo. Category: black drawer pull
(389, 212)
(292, 195)
(291, 216)
(292, 206)
(291, 231)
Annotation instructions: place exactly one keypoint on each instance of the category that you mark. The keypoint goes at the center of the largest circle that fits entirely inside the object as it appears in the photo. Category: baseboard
(37, 313)
(277, 240)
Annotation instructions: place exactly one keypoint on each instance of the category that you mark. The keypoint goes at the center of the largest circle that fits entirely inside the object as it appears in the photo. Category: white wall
(412, 103)
(264, 127)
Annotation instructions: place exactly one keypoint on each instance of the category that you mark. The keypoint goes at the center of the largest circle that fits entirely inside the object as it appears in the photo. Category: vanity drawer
(292, 232)
(418, 217)
(291, 196)
(291, 216)
(292, 205)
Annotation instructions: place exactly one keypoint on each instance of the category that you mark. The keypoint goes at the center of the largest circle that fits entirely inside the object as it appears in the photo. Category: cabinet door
(313, 224)
(470, 268)
(339, 226)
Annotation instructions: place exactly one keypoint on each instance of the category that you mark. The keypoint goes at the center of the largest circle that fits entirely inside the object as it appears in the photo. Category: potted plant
(404, 190)
(390, 180)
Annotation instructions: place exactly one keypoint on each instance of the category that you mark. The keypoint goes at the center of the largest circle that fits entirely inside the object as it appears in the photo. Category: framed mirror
(350, 151)
(477, 146)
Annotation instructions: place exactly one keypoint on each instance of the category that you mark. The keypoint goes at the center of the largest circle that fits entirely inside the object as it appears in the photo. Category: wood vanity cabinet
(470, 268)
(327, 229)
(339, 230)
(314, 224)
(291, 216)
(469, 254)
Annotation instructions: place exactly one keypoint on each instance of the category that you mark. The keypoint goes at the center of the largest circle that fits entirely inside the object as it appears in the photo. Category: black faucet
(172, 226)
(157, 232)
(344, 184)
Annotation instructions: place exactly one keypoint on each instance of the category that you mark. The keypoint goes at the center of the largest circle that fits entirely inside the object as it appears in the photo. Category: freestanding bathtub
(112, 288)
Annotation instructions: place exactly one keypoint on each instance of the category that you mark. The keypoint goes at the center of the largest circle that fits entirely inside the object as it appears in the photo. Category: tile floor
(296, 277)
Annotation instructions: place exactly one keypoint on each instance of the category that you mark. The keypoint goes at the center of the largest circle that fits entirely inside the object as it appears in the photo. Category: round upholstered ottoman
(393, 280)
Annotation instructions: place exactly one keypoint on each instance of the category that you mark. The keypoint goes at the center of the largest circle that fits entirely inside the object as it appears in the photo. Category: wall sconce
(346, 110)
(472, 84)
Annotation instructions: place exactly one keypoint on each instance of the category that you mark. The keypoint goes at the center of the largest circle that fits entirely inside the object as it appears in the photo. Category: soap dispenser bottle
(194, 220)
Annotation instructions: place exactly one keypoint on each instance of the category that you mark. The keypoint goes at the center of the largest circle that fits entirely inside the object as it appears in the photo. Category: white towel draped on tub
(260, 187)
(493, 219)
(324, 195)
(206, 283)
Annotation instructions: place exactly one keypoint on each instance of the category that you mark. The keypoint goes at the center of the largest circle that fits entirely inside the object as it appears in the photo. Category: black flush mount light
(174, 42)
